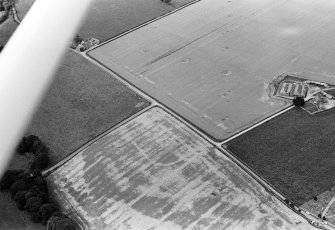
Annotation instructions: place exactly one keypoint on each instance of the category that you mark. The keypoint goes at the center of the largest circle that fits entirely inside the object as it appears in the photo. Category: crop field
(294, 152)
(106, 19)
(22, 7)
(82, 102)
(212, 61)
(156, 173)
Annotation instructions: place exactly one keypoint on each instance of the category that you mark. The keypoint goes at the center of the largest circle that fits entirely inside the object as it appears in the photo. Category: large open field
(82, 102)
(294, 152)
(106, 19)
(156, 173)
(212, 61)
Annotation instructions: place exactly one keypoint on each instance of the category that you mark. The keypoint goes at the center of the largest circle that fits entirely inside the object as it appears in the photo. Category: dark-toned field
(294, 152)
(106, 19)
(82, 102)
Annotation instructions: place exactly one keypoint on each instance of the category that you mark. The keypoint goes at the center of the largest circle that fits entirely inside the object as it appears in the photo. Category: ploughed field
(212, 61)
(294, 152)
(82, 102)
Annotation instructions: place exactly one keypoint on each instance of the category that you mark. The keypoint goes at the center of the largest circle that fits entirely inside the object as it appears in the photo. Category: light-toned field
(82, 102)
(212, 61)
(156, 173)
(106, 19)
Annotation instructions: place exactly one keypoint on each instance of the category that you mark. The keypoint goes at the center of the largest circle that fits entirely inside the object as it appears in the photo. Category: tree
(51, 224)
(77, 39)
(298, 101)
(40, 162)
(61, 223)
(40, 183)
(46, 211)
(35, 217)
(31, 144)
(9, 178)
(18, 186)
(22, 147)
(36, 192)
(20, 199)
(26, 177)
(33, 204)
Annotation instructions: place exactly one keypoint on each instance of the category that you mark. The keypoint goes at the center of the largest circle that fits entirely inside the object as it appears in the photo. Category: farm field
(155, 173)
(7, 28)
(106, 19)
(22, 7)
(294, 152)
(81, 103)
(212, 61)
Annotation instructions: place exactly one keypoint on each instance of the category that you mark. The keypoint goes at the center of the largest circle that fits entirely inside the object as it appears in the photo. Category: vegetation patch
(29, 189)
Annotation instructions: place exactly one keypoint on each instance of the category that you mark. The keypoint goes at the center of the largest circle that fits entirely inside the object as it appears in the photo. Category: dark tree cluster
(31, 144)
(30, 189)
(77, 39)
(299, 101)
(34, 145)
